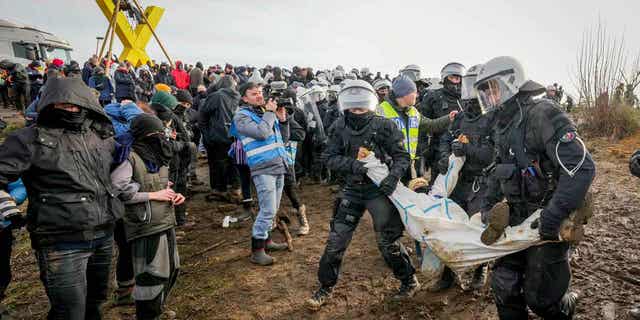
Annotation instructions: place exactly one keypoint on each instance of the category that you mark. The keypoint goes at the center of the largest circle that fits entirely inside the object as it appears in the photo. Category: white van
(22, 44)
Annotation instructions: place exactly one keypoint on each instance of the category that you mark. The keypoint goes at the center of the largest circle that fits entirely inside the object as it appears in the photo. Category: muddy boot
(194, 181)
(217, 196)
(407, 289)
(635, 313)
(479, 277)
(245, 212)
(301, 213)
(569, 302)
(258, 256)
(572, 228)
(498, 221)
(235, 196)
(124, 296)
(445, 282)
(319, 298)
(274, 246)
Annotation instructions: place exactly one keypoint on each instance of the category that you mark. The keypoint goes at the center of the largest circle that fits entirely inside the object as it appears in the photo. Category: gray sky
(381, 34)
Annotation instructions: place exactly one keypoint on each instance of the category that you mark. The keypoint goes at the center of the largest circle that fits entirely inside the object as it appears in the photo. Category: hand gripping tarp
(452, 238)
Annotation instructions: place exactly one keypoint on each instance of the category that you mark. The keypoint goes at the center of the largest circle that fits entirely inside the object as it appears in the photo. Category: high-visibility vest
(411, 132)
(261, 151)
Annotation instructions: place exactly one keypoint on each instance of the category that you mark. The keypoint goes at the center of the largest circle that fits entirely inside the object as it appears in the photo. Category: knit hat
(164, 99)
(184, 96)
(163, 87)
(144, 124)
(56, 64)
(403, 86)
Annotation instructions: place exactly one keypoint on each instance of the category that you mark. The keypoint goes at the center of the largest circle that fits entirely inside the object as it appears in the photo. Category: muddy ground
(220, 283)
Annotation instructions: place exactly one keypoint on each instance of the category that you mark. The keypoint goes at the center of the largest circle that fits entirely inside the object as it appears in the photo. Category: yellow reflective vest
(411, 132)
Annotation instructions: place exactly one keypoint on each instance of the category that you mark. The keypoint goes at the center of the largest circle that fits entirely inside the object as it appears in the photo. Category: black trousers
(219, 167)
(537, 277)
(388, 227)
(245, 180)
(290, 188)
(124, 265)
(6, 243)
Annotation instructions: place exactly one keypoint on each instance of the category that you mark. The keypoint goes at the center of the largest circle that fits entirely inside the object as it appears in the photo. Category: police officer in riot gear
(361, 127)
(541, 163)
(439, 102)
(469, 136)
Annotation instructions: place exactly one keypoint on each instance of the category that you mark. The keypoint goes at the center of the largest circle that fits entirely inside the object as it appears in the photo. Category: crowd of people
(109, 156)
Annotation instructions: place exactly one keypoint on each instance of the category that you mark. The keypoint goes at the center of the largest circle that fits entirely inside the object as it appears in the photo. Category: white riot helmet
(452, 69)
(381, 83)
(412, 71)
(357, 94)
(468, 91)
(364, 71)
(499, 80)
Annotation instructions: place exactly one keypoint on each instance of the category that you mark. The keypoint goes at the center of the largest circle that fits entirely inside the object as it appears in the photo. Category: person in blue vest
(261, 129)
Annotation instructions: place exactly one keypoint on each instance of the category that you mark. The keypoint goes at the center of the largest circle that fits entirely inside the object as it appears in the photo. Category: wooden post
(106, 34)
(113, 30)
(144, 17)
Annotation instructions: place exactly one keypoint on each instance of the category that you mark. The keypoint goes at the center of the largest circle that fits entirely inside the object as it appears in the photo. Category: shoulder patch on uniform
(568, 137)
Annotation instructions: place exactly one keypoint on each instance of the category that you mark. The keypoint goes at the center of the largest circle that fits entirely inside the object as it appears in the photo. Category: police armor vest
(527, 176)
(262, 151)
(477, 129)
(411, 132)
(150, 217)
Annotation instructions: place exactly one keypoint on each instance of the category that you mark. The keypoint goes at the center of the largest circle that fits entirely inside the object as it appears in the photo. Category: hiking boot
(275, 246)
(258, 255)
(301, 213)
(479, 277)
(124, 297)
(407, 289)
(445, 282)
(498, 221)
(319, 298)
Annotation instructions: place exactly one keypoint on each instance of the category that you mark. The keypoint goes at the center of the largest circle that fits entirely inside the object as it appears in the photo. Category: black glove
(443, 165)
(458, 148)
(358, 167)
(634, 164)
(389, 184)
(484, 216)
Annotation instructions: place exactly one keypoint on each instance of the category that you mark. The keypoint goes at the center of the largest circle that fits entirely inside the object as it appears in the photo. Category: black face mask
(472, 107)
(156, 149)
(357, 121)
(179, 109)
(453, 89)
(59, 118)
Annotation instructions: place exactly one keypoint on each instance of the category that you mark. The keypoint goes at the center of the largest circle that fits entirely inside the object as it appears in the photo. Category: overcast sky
(383, 35)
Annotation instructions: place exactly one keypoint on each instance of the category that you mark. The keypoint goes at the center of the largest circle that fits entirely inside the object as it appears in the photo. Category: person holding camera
(260, 127)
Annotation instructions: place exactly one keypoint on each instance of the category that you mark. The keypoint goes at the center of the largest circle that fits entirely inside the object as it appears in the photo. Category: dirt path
(222, 284)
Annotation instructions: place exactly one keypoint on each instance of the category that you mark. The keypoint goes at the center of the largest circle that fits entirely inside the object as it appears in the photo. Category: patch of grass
(610, 121)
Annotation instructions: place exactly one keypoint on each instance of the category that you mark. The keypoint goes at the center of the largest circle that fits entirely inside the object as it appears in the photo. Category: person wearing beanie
(162, 103)
(399, 106)
(184, 112)
(100, 82)
(145, 187)
(125, 84)
(163, 87)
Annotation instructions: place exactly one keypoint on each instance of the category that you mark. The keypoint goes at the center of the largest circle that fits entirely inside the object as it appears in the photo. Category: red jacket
(180, 77)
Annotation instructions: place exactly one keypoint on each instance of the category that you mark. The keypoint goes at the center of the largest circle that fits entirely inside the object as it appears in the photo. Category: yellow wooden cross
(134, 41)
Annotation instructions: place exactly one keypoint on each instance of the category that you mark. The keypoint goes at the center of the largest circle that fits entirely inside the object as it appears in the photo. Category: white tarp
(451, 237)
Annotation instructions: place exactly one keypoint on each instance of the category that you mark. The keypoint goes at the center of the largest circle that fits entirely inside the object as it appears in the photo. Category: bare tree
(631, 79)
(599, 61)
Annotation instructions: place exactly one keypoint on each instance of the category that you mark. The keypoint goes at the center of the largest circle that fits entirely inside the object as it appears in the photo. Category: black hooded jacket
(216, 114)
(66, 173)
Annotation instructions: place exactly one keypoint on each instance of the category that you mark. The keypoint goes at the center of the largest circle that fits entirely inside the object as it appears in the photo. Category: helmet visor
(468, 91)
(492, 93)
(353, 98)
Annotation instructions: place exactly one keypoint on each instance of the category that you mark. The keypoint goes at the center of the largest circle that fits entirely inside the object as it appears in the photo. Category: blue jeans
(76, 277)
(269, 189)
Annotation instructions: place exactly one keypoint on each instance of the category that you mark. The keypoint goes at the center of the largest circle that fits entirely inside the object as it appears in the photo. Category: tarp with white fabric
(451, 237)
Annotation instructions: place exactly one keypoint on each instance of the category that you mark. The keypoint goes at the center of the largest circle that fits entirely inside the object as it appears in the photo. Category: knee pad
(347, 212)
